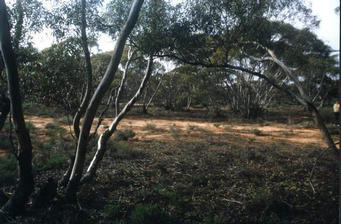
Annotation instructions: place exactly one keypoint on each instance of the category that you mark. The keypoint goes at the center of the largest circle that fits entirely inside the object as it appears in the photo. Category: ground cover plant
(202, 176)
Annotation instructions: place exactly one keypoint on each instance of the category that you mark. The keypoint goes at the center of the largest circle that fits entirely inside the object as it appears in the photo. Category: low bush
(124, 135)
(175, 131)
(150, 214)
(8, 169)
(152, 128)
(327, 114)
(53, 161)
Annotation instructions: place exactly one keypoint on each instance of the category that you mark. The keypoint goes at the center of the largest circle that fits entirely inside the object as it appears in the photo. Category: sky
(328, 31)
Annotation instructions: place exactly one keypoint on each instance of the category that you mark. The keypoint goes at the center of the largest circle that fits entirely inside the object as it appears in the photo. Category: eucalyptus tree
(209, 29)
(148, 50)
(77, 170)
(24, 187)
(55, 71)
(77, 19)
(26, 18)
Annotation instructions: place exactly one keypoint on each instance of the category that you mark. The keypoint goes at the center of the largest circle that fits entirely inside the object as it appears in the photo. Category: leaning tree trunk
(102, 142)
(24, 187)
(123, 80)
(152, 97)
(307, 102)
(102, 88)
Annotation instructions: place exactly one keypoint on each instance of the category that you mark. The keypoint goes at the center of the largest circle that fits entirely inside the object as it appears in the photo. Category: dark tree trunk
(4, 109)
(24, 187)
(4, 101)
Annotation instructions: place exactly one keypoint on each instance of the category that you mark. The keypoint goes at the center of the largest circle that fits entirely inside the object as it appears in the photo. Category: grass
(194, 181)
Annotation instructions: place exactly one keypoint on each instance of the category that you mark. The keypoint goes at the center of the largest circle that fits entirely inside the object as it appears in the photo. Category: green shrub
(175, 131)
(307, 124)
(54, 160)
(122, 150)
(152, 128)
(4, 142)
(327, 114)
(111, 210)
(333, 129)
(8, 169)
(124, 135)
(266, 208)
(214, 220)
(150, 214)
(257, 132)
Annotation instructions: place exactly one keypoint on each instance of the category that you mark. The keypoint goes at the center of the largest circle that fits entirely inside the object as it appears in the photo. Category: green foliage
(152, 128)
(124, 151)
(124, 135)
(257, 132)
(175, 131)
(56, 75)
(5, 143)
(267, 208)
(8, 169)
(327, 114)
(333, 129)
(111, 210)
(36, 109)
(307, 124)
(54, 160)
(150, 214)
(214, 220)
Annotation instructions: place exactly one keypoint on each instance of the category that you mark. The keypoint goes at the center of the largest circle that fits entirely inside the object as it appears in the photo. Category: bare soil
(168, 130)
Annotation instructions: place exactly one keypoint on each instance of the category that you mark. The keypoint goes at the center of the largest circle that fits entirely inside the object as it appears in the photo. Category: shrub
(327, 114)
(333, 130)
(111, 210)
(4, 142)
(54, 160)
(214, 220)
(175, 131)
(257, 132)
(122, 150)
(307, 124)
(124, 135)
(8, 169)
(152, 128)
(150, 214)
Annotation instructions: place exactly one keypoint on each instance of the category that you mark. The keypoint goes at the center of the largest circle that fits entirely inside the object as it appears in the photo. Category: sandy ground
(170, 130)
